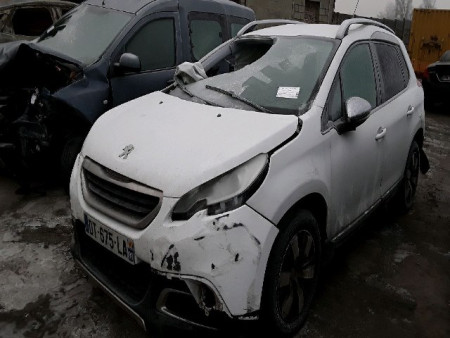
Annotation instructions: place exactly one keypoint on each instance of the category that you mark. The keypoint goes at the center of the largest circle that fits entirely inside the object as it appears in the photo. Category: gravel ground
(391, 279)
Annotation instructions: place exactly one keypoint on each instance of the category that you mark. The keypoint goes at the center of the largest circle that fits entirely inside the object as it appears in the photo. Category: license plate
(109, 239)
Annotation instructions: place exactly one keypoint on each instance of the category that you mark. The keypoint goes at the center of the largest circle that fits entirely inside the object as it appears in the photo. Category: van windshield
(85, 33)
(279, 76)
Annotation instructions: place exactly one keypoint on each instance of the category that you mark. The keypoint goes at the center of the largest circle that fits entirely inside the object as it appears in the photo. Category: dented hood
(178, 145)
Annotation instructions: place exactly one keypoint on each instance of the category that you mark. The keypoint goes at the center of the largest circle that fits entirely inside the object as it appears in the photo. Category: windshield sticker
(288, 92)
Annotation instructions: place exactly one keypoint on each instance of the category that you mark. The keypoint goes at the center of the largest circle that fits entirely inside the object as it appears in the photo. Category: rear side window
(394, 73)
(357, 75)
(207, 32)
(155, 45)
(31, 21)
(235, 28)
(236, 24)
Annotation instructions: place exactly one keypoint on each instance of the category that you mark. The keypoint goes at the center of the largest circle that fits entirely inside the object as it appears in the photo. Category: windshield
(278, 75)
(85, 33)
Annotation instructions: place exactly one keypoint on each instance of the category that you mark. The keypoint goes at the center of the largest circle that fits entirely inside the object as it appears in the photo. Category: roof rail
(345, 26)
(252, 24)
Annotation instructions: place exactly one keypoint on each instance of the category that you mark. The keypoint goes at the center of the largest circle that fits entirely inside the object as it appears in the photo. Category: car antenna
(354, 12)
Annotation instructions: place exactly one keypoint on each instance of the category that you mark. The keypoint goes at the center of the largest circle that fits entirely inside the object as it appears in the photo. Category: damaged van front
(53, 89)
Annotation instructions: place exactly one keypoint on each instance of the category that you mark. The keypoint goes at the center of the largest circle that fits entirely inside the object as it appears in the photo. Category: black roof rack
(345, 26)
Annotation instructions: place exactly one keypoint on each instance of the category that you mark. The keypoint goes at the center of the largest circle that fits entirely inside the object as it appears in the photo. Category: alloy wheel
(296, 276)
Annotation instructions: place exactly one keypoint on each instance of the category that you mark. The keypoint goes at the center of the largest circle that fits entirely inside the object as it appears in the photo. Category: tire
(68, 156)
(292, 275)
(406, 192)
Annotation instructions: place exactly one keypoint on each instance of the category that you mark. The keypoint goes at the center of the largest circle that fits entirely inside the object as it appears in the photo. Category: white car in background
(217, 197)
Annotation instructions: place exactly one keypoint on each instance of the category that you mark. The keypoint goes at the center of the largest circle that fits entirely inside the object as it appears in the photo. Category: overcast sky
(373, 7)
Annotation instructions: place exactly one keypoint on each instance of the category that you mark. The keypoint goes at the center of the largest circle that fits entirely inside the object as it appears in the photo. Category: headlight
(226, 192)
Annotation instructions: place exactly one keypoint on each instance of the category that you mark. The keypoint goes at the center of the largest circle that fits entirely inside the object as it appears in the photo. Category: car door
(155, 40)
(355, 156)
(399, 103)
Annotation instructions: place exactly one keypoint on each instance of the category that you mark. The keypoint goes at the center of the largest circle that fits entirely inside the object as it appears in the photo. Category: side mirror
(358, 110)
(128, 63)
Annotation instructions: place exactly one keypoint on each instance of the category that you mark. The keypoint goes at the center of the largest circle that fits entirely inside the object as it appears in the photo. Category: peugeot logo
(127, 151)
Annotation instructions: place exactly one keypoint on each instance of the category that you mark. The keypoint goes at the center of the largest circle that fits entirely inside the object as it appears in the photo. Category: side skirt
(342, 236)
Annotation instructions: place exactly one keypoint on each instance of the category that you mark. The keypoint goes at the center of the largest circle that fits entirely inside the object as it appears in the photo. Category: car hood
(178, 145)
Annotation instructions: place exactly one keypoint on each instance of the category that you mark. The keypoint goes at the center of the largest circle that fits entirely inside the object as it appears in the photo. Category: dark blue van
(99, 55)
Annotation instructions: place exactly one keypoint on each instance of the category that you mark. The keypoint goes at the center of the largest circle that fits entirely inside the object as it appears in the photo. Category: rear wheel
(292, 275)
(407, 190)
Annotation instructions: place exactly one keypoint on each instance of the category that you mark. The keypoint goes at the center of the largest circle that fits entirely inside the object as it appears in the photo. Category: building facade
(311, 11)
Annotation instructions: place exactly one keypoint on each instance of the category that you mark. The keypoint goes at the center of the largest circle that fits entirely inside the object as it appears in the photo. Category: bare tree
(403, 9)
(399, 10)
(429, 4)
(388, 12)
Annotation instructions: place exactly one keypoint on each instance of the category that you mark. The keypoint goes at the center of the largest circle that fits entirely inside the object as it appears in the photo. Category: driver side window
(356, 78)
(154, 44)
(357, 75)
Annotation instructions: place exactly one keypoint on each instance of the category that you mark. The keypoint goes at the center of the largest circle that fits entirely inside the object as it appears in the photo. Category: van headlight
(226, 192)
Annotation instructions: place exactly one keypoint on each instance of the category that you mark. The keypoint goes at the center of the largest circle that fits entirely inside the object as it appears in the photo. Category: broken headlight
(226, 192)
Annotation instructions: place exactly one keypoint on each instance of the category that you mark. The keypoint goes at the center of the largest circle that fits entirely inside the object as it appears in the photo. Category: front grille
(119, 197)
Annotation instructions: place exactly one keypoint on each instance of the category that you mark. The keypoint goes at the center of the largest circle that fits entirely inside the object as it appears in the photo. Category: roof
(317, 30)
(133, 6)
(121, 5)
(10, 3)
(328, 31)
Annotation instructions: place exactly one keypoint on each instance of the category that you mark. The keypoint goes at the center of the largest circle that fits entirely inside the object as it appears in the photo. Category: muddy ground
(390, 280)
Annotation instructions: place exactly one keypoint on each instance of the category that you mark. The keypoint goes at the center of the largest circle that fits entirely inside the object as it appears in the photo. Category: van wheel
(292, 275)
(68, 156)
(407, 190)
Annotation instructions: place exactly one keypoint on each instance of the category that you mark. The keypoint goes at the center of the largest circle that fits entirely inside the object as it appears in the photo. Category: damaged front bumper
(195, 271)
(24, 136)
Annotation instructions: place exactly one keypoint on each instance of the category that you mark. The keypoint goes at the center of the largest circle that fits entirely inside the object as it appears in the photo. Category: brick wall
(312, 11)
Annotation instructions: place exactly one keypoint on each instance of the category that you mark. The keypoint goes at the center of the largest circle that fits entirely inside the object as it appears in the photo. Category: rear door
(155, 40)
(399, 107)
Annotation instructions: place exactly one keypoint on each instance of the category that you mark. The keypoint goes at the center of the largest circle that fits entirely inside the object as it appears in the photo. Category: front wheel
(292, 275)
(69, 154)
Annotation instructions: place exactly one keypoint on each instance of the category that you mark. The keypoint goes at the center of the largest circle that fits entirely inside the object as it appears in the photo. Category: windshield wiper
(51, 33)
(239, 98)
(180, 84)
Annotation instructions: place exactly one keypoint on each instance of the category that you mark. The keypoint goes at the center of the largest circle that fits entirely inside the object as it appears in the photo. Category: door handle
(410, 111)
(381, 133)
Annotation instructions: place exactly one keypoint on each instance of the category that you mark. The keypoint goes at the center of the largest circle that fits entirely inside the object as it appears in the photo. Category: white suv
(216, 197)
